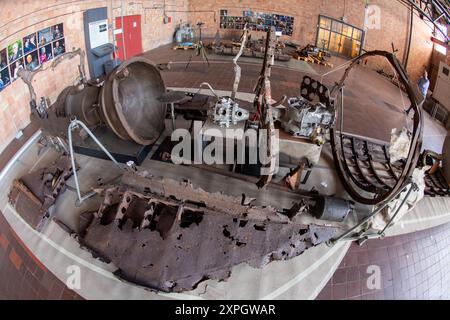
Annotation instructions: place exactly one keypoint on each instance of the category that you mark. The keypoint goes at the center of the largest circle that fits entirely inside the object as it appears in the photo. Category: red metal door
(132, 34)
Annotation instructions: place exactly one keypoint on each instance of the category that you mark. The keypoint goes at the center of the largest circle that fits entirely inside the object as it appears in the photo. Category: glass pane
(356, 49)
(347, 46)
(336, 27)
(347, 30)
(322, 40)
(325, 23)
(335, 43)
(357, 34)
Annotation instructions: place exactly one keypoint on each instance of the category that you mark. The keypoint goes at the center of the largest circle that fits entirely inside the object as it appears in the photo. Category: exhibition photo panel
(30, 52)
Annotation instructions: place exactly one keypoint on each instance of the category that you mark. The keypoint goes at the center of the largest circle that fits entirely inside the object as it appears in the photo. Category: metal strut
(428, 9)
(362, 238)
(75, 124)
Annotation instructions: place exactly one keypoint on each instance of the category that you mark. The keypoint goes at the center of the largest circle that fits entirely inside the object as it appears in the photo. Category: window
(339, 37)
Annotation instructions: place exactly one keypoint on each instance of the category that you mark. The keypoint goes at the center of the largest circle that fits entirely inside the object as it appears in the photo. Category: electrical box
(441, 91)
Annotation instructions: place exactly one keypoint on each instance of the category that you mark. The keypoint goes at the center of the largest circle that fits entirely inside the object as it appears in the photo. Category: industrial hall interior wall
(19, 18)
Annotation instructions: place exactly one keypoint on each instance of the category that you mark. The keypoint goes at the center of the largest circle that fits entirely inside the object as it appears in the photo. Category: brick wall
(19, 18)
(394, 23)
(22, 17)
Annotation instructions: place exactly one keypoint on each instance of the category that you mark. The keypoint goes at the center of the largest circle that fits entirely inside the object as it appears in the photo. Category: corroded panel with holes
(171, 243)
(33, 194)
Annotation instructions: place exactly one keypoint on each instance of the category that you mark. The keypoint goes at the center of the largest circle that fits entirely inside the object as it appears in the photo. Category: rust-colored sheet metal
(370, 188)
(168, 236)
(33, 194)
(129, 101)
(436, 185)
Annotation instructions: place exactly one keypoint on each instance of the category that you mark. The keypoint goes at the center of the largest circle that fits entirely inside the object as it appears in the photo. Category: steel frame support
(381, 233)
(74, 124)
(427, 9)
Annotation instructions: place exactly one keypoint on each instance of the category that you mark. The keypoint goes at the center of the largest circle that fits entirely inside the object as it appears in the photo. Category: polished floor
(413, 266)
(22, 275)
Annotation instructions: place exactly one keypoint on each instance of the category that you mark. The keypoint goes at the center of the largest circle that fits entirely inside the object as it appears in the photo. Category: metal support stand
(74, 124)
(199, 48)
(172, 115)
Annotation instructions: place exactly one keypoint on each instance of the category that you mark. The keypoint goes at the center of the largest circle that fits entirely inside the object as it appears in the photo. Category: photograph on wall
(45, 54)
(15, 51)
(29, 43)
(3, 59)
(57, 31)
(14, 67)
(45, 36)
(32, 61)
(259, 21)
(30, 52)
(58, 47)
(4, 78)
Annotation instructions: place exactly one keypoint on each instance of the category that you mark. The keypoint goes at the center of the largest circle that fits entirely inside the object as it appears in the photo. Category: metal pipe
(203, 84)
(411, 21)
(124, 51)
(237, 68)
(113, 25)
(73, 125)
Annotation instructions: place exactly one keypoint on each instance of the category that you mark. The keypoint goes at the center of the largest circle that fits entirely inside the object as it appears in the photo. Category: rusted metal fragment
(172, 237)
(262, 103)
(436, 184)
(33, 194)
(446, 158)
(185, 192)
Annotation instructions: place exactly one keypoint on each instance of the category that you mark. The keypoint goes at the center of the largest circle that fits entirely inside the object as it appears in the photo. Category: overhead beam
(440, 42)
(437, 5)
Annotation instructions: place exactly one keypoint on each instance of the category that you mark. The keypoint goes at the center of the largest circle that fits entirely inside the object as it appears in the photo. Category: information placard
(98, 33)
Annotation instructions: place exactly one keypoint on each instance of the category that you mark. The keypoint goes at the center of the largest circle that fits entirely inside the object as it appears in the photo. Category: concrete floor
(412, 266)
(368, 113)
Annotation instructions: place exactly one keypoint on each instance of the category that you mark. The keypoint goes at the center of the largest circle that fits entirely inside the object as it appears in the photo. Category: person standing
(423, 84)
